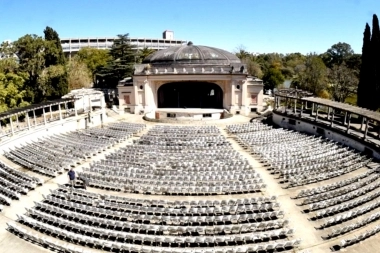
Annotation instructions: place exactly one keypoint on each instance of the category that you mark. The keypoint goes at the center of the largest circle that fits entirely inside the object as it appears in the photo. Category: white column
(349, 122)
(11, 122)
(43, 110)
(233, 102)
(28, 119)
(328, 112)
(60, 111)
(51, 113)
(75, 109)
(332, 117)
(147, 101)
(316, 114)
(366, 128)
(34, 116)
(244, 94)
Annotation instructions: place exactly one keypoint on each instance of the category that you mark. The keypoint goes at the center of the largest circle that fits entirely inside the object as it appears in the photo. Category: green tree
(55, 54)
(312, 76)
(79, 76)
(54, 57)
(375, 64)
(143, 53)
(95, 59)
(337, 54)
(364, 86)
(343, 82)
(273, 77)
(121, 65)
(12, 92)
(30, 50)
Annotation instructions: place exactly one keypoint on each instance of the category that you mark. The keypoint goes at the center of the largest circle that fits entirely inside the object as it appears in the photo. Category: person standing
(71, 175)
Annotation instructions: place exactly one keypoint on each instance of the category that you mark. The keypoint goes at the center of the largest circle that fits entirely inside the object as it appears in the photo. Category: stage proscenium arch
(190, 95)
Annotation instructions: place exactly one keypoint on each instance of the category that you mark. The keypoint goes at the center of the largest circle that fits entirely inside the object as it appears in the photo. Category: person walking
(71, 175)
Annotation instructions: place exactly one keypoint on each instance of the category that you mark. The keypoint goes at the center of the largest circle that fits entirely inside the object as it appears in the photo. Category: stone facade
(241, 94)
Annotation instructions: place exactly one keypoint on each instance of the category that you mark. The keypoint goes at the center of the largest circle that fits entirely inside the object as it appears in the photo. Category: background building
(72, 45)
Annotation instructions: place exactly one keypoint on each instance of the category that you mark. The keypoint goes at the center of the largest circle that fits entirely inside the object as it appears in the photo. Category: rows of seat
(52, 155)
(339, 207)
(14, 184)
(169, 203)
(43, 241)
(299, 159)
(67, 215)
(356, 239)
(176, 161)
(105, 245)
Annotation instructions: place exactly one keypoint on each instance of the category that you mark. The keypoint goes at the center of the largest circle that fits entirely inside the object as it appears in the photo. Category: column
(295, 105)
(75, 109)
(66, 113)
(146, 95)
(316, 114)
(43, 110)
(34, 116)
(361, 125)
(51, 114)
(301, 109)
(28, 120)
(312, 109)
(332, 117)
(366, 128)
(232, 93)
(348, 123)
(60, 111)
(328, 112)
(345, 118)
(11, 122)
(244, 97)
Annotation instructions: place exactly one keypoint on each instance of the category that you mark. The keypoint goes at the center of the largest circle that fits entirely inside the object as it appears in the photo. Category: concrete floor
(304, 229)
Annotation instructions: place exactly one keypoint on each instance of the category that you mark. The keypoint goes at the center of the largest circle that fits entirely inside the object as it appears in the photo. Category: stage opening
(190, 95)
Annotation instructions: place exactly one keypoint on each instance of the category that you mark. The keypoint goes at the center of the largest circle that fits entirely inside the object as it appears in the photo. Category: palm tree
(145, 52)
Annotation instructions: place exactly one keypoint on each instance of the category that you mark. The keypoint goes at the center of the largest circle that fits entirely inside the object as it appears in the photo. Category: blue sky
(262, 26)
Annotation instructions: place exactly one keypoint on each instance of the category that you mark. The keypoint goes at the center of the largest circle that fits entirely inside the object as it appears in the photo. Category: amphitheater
(230, 185)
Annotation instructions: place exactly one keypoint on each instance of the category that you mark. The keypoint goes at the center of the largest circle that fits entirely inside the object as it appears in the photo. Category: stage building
(184, 80)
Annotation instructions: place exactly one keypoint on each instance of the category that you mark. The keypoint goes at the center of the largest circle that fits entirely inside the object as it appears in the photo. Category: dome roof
(191, 54)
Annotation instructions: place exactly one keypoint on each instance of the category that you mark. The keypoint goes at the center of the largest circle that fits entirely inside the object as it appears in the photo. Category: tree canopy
(369, 81)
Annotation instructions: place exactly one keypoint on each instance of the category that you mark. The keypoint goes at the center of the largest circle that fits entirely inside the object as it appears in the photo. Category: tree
(54, 57)
(272, 78)
(95, 59)
(375, 65)
(79, 76)
(337, 54)
(121, 64)
(312, 76)
(343, 82)
(55, 54)
(30, 50)
(364, 86)
(143, 53)
(12, 92)
(242, 53)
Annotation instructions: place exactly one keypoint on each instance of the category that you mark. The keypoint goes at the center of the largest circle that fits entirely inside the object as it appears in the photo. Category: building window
(127, 100)
(253, 99)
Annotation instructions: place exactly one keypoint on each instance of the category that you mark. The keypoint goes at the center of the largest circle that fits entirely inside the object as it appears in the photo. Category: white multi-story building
(72, 45)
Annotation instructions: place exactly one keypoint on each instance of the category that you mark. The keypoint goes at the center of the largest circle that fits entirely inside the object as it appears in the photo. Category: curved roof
(192, 54)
